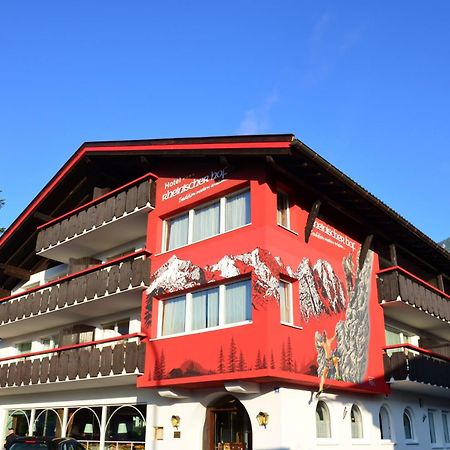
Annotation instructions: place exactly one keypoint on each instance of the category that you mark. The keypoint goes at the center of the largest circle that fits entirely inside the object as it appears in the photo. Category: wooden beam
(364, 249)
(393, 254)
(15, 272)
(312, 216)
(4, 293)
(440, 282)
(43, 217)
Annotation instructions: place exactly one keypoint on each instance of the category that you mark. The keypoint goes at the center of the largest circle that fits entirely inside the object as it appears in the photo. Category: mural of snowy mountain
(321, 289)
(178, 275)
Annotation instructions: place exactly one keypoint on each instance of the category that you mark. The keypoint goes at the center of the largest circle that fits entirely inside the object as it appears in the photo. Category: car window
(28, 446)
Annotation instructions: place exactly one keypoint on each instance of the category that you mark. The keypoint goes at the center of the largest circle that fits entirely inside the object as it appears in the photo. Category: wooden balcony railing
(395, 283)
(134, 196)
(118, 275)
(408, 362)
(124, 355)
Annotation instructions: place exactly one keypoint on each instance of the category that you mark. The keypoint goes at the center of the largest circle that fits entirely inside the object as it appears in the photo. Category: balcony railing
(397, 288)
(116, 217)
(124, 355)
(407, 362)
(117, 277)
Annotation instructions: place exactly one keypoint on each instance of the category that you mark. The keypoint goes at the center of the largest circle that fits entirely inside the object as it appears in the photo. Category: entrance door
(228, 426)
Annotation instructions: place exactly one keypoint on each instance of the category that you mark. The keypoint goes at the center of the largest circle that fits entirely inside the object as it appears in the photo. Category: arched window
(408, 425)
(385, 423)
(357, 425)
(323, 427)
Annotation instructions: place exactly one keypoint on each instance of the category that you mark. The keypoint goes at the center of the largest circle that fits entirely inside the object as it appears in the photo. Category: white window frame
(407, 412)
(385, 425)
(190, 214)
(288, 290)
(356, 413)
(432, 426)
(326, 422)
(188, 311)
(286, 207)
(446, 427)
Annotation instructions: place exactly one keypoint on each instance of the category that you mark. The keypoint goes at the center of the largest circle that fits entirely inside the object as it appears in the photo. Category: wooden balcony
(415, 369)
(410, 300)
(115, 286)
(120, 357)
(118, 217)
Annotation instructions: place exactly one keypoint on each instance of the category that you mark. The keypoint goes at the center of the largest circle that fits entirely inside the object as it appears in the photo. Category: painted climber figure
(331, 360)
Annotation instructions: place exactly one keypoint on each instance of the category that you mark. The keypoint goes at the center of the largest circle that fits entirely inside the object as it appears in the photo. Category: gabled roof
(113, 163)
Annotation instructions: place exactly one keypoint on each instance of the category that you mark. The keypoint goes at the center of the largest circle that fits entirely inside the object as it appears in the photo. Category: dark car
(44, 443)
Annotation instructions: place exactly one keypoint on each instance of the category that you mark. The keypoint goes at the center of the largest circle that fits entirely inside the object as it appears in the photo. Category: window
(49, 342)
(323, 428)
(285, 290)
(431, 426)
(407, 425)
(356, 423)
(283, 218)
(395, 337)
(116, 328)
(385, 423)
(208, 308)
(224, 214)
(24, 347)
(445, 426)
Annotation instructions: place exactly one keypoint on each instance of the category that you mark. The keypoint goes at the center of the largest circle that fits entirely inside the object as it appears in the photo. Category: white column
(103, 420)
(3, 424)
(31, 424)
(64, 422)
(149, 421)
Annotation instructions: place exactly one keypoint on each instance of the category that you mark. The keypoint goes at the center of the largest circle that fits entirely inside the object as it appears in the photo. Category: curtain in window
(237, 210)
(174, 316)
(238, 302)
(323, 429)
(393, 337)
(205, 309)
(385, 423)
(177, 231)
(407, 426)
(356, 423)
(432, 427)
(285, 304)
(206, 222)
(282, 209)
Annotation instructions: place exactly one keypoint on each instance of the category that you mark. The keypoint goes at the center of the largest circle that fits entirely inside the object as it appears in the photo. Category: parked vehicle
(44, 443)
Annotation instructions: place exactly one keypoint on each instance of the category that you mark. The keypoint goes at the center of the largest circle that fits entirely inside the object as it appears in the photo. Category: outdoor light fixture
(175, 421)
(263, 419)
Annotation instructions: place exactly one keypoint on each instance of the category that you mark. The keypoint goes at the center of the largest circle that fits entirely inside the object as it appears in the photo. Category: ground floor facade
(275, 418)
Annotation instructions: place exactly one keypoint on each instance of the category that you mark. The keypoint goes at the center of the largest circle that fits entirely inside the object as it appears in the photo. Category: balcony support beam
(312, 216)
(393, 254)
(16, 272)
(364, 249)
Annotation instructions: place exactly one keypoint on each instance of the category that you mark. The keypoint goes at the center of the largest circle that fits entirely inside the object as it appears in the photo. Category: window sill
(287, 229)
(389, 442)
(291, 325)
(360, 441)
(412, 442)
(204, 330)
(326, 441)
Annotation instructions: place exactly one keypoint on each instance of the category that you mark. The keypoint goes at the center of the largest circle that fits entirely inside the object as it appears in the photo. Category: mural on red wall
(342, 355)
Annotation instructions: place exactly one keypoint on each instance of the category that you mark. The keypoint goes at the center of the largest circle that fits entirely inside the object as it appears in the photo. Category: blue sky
(366, 84)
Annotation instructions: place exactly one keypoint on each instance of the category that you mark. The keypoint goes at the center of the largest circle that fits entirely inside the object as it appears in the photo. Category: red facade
(329, 289)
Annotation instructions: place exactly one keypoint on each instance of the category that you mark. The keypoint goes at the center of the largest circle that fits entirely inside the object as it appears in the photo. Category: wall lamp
(175, 420)
(263, 419)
